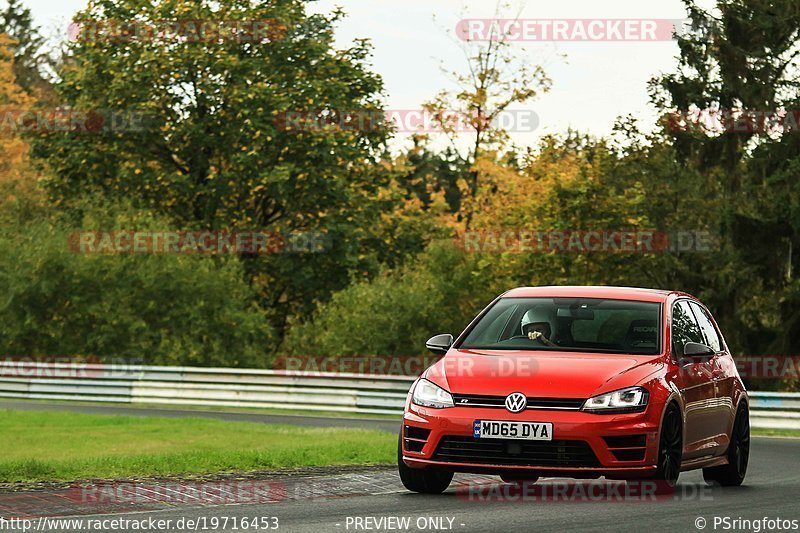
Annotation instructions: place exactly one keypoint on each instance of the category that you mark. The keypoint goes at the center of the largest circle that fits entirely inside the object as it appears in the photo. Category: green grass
(50, 446)
(775, 432)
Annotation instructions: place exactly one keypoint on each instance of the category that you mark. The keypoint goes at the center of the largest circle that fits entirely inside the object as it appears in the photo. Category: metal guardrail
(219, 387)
(275, 389)
(775, 410)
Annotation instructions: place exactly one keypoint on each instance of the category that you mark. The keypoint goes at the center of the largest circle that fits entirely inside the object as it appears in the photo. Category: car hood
(539, 374)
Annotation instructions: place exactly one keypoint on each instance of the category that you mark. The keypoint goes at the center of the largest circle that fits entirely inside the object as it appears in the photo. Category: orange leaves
(13, 102)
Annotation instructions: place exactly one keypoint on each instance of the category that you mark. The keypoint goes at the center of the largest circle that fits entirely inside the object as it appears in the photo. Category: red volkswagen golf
(579, 382)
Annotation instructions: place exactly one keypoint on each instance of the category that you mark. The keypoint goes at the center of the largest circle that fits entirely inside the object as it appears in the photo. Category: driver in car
(536, 326)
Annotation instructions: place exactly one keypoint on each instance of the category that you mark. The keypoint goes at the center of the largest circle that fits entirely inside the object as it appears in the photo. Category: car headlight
(631, 399)
(428, 394)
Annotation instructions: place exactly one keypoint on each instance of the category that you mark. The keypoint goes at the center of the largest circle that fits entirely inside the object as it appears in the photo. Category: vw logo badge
(516, 402)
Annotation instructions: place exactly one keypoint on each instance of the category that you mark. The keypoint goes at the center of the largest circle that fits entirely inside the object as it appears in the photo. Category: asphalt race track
(364, 498)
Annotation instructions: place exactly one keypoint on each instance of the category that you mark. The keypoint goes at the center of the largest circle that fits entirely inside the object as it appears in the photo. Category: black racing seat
(642, 335)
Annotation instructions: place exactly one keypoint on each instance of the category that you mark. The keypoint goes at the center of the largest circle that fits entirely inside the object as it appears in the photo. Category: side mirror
(439, 344)
(695, 349)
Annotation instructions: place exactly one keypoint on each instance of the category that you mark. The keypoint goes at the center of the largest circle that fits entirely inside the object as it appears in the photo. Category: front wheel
(732, 474)
(670, 447)
(427, 481)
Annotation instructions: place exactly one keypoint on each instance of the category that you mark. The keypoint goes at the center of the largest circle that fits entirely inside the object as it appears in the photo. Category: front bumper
(623, 445)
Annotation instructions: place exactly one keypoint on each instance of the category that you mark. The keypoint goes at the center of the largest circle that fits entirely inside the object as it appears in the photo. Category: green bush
(396, 313)
(170, 309)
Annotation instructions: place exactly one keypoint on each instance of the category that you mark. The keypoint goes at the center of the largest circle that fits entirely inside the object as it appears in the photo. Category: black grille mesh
(476, 400)
(557, 453)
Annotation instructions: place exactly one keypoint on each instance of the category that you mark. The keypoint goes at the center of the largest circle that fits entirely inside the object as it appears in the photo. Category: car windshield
(568, 324)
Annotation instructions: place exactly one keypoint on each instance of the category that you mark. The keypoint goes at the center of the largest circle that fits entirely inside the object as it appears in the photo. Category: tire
(733, 473)
(425, 481)
(670, 447)
(518, 479)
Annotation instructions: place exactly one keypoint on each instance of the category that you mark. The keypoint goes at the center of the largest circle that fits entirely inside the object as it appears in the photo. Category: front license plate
(496, 429)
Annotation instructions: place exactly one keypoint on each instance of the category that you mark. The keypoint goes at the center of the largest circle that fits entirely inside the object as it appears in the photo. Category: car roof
(577, 291)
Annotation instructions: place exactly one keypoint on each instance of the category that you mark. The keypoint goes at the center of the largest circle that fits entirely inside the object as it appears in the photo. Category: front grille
(557, 453)
(477, 400)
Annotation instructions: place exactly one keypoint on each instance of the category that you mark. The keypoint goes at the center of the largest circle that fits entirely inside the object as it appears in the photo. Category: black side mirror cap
(695, 349)
(439, 344)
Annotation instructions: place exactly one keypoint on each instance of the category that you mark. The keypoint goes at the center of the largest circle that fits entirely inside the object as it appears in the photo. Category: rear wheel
(732, 474)
(670, 447)
(427, 481)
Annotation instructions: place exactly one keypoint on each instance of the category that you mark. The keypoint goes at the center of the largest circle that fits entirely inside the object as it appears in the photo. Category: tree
(163, 309)
(426, 173)
(28, 46)
(13, 99)
(742, 57)
(395, 313)
(218, 145)
(498, 77)
(571, 185)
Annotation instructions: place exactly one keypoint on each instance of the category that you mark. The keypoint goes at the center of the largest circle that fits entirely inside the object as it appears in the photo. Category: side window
(684, 327)
(492, 331)
(710, 332)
